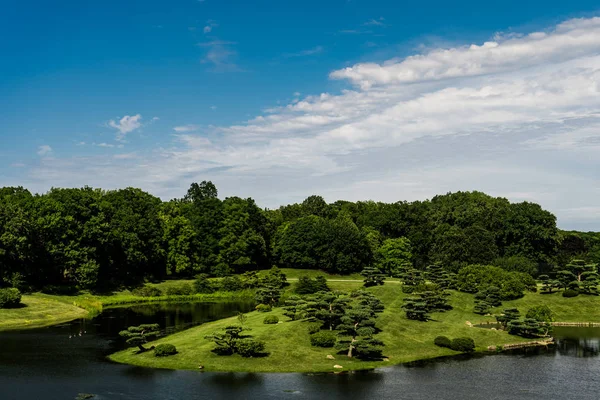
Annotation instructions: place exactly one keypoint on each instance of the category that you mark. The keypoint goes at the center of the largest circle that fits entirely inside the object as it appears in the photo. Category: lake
(58, 363)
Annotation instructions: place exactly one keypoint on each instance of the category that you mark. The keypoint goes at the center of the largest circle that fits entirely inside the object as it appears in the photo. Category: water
(47, 364)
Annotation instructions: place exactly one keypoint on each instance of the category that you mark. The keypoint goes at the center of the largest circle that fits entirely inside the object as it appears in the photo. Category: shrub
(65, 290)
(323, 339)
(271, 319)
(231, 283)
(314, 327)
(183, 289)
(250, 348)
(147, 291)
(164, 350)
(10, 297)
(203, 285)
(464, 344)
(570, 293)
(442, 341)
(263, 308)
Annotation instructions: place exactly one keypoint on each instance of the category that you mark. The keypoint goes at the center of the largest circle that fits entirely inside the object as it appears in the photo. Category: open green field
(38, 311)
(290, 350)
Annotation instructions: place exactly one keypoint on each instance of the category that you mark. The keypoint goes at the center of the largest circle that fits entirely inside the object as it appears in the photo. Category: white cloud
(375, 22)
(221, 55)
(186, 128)
(518, 118)
(127, 124)
(207, 29)
(213, 107)
(44, 150)
(307, 52)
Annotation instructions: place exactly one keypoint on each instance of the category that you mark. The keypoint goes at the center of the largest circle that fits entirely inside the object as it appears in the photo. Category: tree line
(89, 238)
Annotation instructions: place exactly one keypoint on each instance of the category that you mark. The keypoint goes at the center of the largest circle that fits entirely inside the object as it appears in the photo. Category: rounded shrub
(263, 308)
(570, 293)
(323, 339)
(442, 341)
(271, 319)
(250, 348)
(164, 350)
(10, 297)
(463, 344)
(147, 291)
(185, 289)
(313, 327)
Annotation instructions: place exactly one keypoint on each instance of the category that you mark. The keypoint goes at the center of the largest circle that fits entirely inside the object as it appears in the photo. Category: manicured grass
(289, 346)
(583, 308)
(38, 311)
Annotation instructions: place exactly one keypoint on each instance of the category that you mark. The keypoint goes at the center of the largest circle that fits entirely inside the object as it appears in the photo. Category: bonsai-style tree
(589, 283)
(510, 314)
(548, 285)
(436, 273)
(140, 335)
(226, 341)
(543, 315)
(373, 276)
(328, 307)
(529, 327)
(419, 306)
(295, 308)
(411, 279)
(416, 309)
(482, 307)
(490, 295)
(268, 294)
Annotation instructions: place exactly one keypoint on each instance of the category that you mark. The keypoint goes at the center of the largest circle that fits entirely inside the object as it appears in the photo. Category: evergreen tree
(140, 335)
(510, 314)
(373, 276)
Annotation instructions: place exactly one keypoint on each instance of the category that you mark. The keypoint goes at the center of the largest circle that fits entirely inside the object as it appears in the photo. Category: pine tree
(510, 314)
(373, 276)
(140, 335)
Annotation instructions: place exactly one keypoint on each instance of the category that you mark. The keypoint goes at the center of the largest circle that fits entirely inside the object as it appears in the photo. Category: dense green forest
(96, 239)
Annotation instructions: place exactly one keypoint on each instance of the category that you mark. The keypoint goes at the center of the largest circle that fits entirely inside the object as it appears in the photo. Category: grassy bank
(289, 345)
(39, 311)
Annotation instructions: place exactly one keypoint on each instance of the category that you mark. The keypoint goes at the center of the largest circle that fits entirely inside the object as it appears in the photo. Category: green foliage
(203, 285)
(393, 256)
(184, 289)
(248, 347)
(271, 319)
(306, 285)
(323, 339)
(541, 313)
(226, 340)
(147, 291)
(528, 327)
(570, 293)
(517, 264)
(463, 344)
(437, 274)
(328, 307)
(263, 308)
(490, 295)
(373, 276)
(511, 285)
(548, 285)
(140, 335)
(268, 295)
(313, 327)
(421, 304)
(357, 327)
(442, 341)
(274, 278)
(10, 297)
(482, 307)
(164, 350)
(295, 308)
(411, 279)
(231, 283)
(510, 314)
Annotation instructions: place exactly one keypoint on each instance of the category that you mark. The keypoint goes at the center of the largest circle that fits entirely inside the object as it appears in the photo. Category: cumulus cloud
(307, 52)
(515, 117)
(128, 123)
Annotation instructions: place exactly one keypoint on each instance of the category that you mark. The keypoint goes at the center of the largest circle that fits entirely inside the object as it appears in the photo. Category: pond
(58, 363)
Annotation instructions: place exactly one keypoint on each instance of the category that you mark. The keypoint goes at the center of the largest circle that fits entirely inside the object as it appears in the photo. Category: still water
(58, 363)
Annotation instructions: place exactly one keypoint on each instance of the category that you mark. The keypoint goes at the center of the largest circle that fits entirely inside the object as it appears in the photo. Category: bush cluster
(511, 285)
(570, 293)
(323, 339)
(442, 341)
(463, 344)
(250, 348)
(314, 327)
(10, 297)
(263, 308)
(164, 350)
(271, 319)
(183, 289)
(147, 291)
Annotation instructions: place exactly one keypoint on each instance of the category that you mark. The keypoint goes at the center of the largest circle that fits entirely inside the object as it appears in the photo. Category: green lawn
(290, 350)
(39, 311)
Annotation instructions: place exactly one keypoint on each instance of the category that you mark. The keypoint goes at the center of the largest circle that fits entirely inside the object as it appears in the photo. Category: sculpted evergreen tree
(482, 307)
(357, 327)
(411, 279)
(226, 341)
(543, 315)
(529, 327)
(510, 314)
(328, 307)
(589, 283)
(490, 295)
(419, 306)
(140, 335)
(295, 308)
(373, 276)
(416, 309)
(548, 285)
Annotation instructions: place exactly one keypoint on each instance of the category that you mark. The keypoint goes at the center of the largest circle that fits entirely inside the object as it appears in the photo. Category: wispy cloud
(128, 123)
(44, 150)
(210, 24)
(375, 22)
(186, 128)
(221, 55)
(307, 52)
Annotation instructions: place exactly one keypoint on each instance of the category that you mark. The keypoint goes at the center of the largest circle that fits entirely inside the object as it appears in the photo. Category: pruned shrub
(10, 297)
(442, 341)
(271, 319)
(250, 348)
(323, 339)
(203, 285)
(164, 350)
(184, 289)
(570, 293)
(314, 327)
(231, 283)
(263, 308)
(463, 344)
(147, 291)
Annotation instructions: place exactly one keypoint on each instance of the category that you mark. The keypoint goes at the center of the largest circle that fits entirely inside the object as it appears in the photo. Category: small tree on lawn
(491, 295)
(373, 276)
(140, 335)
(548, 285)
(328, 307)
(416, 309)
(437, 274)
(295, 308)
(510, 314)
(589, 283)
(411, 278)
(482, 307)
(226, 341)
(544, 315)
(268, 294)
(357, 328)
(529, 327)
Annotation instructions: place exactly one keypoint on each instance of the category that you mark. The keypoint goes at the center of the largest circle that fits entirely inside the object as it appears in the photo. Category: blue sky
(279, 100)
